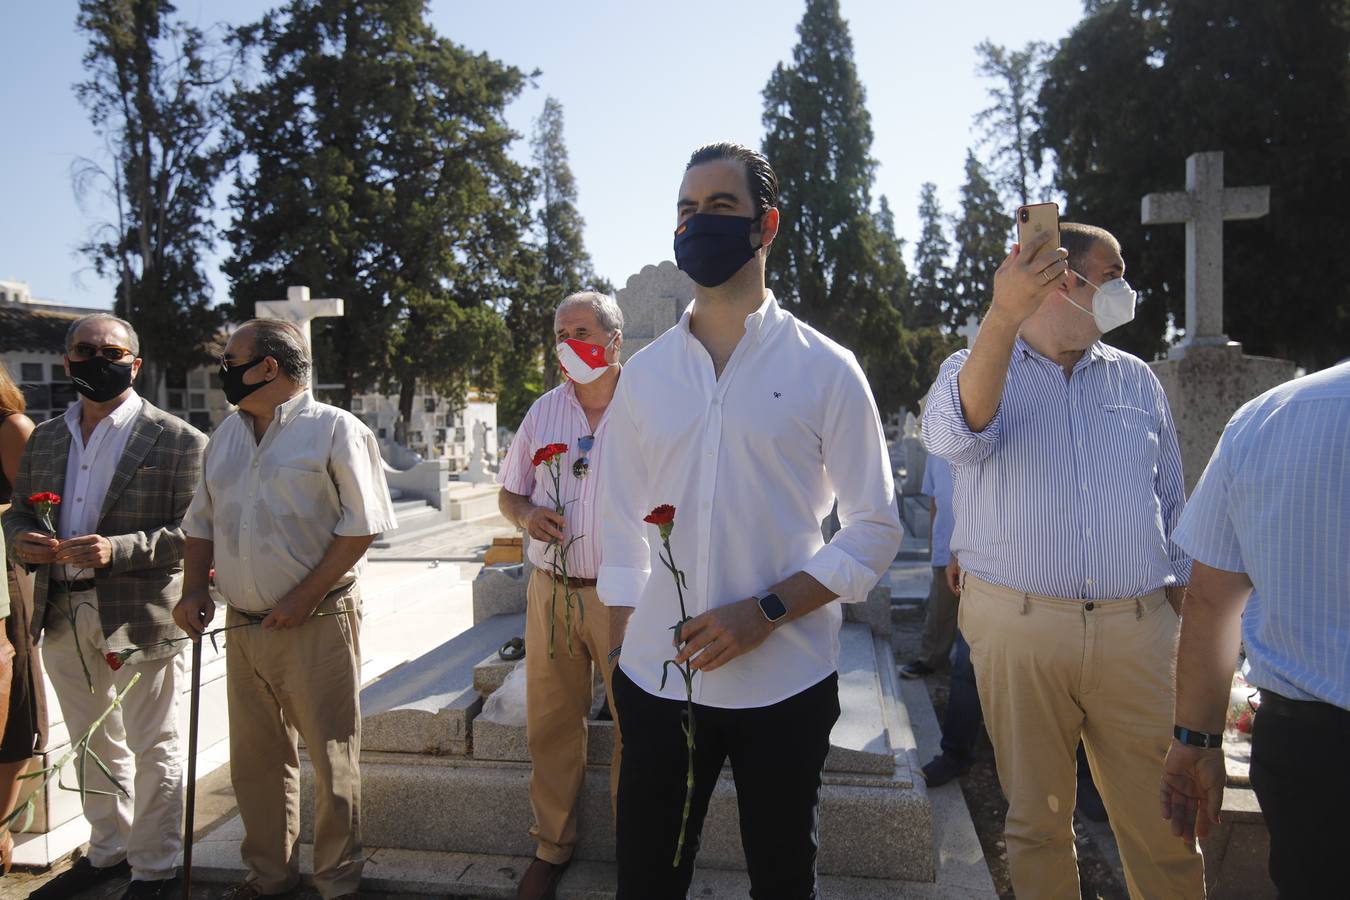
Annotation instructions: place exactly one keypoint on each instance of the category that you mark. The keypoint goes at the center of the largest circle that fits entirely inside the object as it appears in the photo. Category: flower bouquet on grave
(43, 502)
(663, 517)
(550, 457)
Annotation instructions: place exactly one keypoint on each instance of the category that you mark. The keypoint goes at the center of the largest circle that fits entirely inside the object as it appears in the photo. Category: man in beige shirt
(293, 495)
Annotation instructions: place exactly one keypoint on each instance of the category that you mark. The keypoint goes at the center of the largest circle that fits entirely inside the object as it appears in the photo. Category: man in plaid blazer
(107, 581)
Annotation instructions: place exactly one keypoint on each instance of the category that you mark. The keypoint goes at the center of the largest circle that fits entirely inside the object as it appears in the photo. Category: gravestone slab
(500, 590)
(652, 301)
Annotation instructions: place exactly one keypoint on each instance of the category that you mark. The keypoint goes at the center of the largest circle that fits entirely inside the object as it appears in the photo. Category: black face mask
(99, 379)
(710, 249)
(232, 381)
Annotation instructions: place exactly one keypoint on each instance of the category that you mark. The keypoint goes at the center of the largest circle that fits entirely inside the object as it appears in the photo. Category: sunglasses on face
(111, 352)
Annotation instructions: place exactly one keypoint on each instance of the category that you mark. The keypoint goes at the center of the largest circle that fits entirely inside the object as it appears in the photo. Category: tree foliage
(1139, 85)
(154, 92)
(830, 260)
(1010, 121)
(373, 165)
(931, 284)
(981, 232)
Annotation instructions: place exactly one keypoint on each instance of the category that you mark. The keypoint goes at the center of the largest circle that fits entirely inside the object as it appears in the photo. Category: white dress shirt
(272, 507)
(89, 471)
(752, 462)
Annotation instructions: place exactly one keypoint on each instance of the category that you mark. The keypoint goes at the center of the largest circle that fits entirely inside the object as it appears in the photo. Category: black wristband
(1197, 738)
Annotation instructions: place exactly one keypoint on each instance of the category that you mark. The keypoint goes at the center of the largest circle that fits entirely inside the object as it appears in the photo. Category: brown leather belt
(571, 582)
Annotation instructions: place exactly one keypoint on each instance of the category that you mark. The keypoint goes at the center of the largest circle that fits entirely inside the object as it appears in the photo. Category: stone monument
(1207, 376)
(970, 330)
(652, 301)
(299, 310)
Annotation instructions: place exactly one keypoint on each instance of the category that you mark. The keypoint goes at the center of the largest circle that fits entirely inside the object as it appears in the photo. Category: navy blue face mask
(710, 249)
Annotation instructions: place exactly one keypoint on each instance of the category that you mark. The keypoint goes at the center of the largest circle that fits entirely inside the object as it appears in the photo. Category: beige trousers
(558, 694)
(1050, 671)
(281, 684)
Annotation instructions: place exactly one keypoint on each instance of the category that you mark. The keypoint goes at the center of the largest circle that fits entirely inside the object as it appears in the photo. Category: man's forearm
(982, 376)
(342, 554)
(802, 594)
(1207, 651)
(197, 556)
(515, 507)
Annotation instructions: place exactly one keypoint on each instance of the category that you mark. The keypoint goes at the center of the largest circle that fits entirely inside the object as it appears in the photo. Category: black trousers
(1301, 780)
(777, 753)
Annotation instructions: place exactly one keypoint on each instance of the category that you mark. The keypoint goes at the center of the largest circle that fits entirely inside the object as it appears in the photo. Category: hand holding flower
(194, 612)
(292, 611)
(91, 551)
(716, 637)
(544, 524)
(35, 548)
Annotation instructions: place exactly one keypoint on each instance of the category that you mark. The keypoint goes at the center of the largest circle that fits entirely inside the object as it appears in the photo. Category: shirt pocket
(1131, 436)
(300, 494)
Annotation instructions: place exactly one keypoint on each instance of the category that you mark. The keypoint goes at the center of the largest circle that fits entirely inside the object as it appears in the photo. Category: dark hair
(132, 338)
(1079, 240)
(284, 342)
(11, 398)
(759, 175)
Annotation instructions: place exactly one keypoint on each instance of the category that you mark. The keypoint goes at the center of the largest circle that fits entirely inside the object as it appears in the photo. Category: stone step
(416, 519)
(472, 501)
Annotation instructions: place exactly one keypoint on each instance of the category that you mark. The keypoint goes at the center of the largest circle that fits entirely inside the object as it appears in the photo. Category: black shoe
(916, 669)
(79, 877)
(942, 769)
(153, 890)
(1090, 801)
(248, 890)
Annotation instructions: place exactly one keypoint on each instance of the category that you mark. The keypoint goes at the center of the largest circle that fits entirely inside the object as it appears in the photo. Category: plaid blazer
(141, 516)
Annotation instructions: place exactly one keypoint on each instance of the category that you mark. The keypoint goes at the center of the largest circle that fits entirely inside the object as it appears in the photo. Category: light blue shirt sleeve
(1206, 528)
(1170, 484)
(945, 431)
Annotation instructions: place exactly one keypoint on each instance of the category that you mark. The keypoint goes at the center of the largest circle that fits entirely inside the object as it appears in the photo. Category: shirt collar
(293, 407)
(757, 325)
(127, 410)
(1098, 352)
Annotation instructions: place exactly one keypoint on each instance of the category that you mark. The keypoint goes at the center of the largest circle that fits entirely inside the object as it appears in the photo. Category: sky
(641, 83)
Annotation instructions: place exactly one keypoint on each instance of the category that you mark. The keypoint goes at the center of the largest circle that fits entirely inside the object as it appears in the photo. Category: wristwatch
(773, 608)
(1205, 739)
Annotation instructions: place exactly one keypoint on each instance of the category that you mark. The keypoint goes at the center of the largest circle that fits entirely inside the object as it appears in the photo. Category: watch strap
(1205, 739)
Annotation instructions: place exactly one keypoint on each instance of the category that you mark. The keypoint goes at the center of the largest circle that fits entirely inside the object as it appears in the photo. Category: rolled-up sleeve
(357, 469)
(945, 432)
(623, 501)
(517, 474)
(853, 447)
(1170, 485)
(1206, 531)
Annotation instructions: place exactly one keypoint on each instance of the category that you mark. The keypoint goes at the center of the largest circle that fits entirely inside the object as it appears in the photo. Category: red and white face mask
(584, 362)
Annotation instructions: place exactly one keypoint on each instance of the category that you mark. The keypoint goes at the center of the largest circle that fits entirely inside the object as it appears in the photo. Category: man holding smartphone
(1067, 485)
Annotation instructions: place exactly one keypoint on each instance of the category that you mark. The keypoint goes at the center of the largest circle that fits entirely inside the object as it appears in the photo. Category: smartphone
(1035, 219)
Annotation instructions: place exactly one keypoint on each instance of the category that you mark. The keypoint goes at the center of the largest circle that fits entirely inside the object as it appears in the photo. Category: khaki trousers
(1050, 671)
(558, 694)
(281, 684)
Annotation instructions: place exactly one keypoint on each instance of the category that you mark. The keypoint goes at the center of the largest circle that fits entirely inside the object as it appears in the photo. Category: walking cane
(192, 768)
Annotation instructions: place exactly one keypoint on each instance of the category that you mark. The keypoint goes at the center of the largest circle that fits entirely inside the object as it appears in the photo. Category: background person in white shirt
(750, 423)
(292, 496)
(106, 582)
(559, 687)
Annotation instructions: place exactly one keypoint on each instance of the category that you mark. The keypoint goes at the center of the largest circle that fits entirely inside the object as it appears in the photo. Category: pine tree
(826, 263)
(981, 233)
(154, 93)
(1138, 86)
(930, 286)
(1010, 122)
(376, 169)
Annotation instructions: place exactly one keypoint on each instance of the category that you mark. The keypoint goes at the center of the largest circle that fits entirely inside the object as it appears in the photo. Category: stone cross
(298, 309)
(970, 330)
(1203, 207)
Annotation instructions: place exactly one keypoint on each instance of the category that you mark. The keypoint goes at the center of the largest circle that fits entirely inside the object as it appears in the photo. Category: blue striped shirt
(1274, 502)
(1073, 489)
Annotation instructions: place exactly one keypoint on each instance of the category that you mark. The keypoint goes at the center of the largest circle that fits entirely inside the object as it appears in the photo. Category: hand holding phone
(1035, 220)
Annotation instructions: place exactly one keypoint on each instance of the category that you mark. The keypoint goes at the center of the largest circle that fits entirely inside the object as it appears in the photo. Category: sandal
(512, 650)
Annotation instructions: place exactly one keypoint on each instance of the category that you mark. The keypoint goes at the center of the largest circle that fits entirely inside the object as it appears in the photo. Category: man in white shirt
(292, 496)
(106, 582)
(750, 423)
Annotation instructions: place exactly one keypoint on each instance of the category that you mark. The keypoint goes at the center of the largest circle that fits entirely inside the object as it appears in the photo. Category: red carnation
(662, 515)
(548, 452)
(114, 661)
(45, 497)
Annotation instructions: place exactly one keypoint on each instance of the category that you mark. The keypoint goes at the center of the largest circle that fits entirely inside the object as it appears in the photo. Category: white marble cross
(970, 330)
(298, 309)
(1204, 206)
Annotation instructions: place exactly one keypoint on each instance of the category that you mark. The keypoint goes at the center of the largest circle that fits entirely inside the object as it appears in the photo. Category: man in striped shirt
(1067, 485)
(588, 327)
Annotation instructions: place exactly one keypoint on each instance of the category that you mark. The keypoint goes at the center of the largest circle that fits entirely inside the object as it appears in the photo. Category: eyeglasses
(583, 463)
(111, 352)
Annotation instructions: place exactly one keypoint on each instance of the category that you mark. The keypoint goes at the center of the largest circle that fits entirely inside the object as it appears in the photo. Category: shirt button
(1085, 485)
(1080, 444)
(84, 467)
(1089, 606)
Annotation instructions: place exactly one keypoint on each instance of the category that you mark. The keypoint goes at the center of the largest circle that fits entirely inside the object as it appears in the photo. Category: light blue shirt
(1073, 489)
(1274, 503)
(937, 483)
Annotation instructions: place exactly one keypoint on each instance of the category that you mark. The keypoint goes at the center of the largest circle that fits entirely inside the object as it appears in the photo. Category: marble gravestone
(1207, 376)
